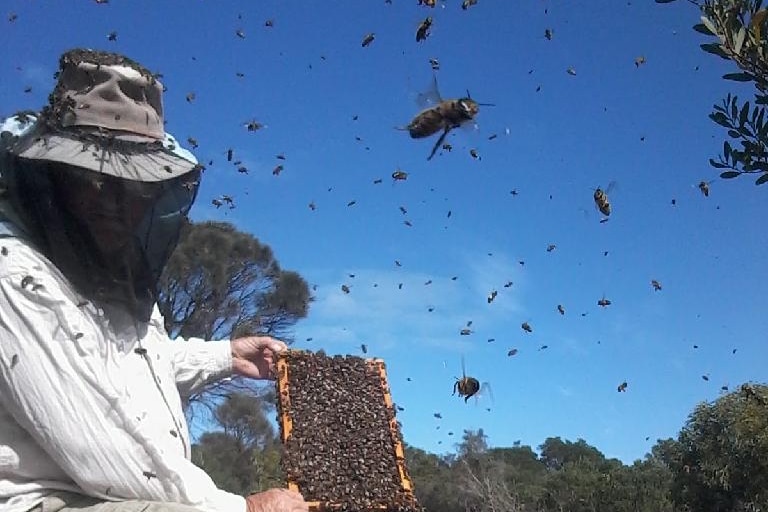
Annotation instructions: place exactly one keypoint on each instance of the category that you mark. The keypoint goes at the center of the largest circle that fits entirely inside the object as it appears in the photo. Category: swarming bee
(399, 175)
(704, 187)
(468, 386)
(601, 199)
(445, 115)
(422, 32)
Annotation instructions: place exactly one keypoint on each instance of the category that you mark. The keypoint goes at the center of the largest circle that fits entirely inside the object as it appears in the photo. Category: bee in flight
(445, 115)
(399, 175)
(704, 187)
(422, 32)
(601, 199)
(368, 39)
(468, 386)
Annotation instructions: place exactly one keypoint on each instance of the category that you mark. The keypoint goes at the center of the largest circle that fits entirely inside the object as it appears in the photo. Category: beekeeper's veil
(97, 183)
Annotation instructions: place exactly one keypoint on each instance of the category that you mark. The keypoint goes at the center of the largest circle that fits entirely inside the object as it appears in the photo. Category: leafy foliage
(566, 475)
(244, 455)
(741, 29)
(719, 462)
(221, 283)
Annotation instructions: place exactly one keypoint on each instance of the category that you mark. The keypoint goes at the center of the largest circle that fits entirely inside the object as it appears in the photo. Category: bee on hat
(96, 181)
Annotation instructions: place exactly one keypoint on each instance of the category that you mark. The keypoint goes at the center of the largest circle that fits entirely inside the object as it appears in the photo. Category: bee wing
(469, 127)
(430, 96)
(612, 187)
(463, 370)
(485, 391)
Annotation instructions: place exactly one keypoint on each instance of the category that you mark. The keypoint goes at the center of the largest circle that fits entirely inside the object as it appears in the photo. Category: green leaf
(734, 133)
(709, 25)
(664, 1)
(744, 130)
(716, 164)
(729, 174)
(727, 150)
(739, 77)
(721, 119)
(761, 100)
(703, 29)
(744, 114)
(762, 179)
(738, 40)
(716, 49)
(762, 129)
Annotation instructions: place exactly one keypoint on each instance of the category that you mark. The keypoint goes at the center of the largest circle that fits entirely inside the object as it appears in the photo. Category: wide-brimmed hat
(105, 114)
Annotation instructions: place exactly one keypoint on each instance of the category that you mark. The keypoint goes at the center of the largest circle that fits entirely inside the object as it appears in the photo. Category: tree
(221, 283)
(741, 29)
(719, 460)
(433, 481)
(480, 478)
(555, 452)
(244, 455)
(242, 417)
(522, 471)
(652, 481)
(474, 443)
(487, 490)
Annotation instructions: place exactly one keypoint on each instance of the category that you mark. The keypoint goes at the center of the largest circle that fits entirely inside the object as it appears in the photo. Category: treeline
(718, 462)
(572, 476)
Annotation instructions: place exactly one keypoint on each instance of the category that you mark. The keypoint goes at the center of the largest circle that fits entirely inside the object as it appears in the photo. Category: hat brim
(148, 166)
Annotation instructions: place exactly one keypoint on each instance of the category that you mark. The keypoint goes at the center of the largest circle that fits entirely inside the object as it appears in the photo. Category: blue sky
(646, 128)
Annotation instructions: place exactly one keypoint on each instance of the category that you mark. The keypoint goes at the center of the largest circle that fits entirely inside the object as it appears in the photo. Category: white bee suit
(90, 401)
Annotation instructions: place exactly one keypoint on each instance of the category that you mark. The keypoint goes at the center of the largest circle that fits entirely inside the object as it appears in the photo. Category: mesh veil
(110, 236)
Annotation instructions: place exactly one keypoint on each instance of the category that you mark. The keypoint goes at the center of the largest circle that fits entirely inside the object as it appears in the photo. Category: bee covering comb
(342, 445)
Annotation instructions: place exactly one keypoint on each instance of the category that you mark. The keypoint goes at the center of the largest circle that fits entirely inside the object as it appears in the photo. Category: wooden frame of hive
(286, 426)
